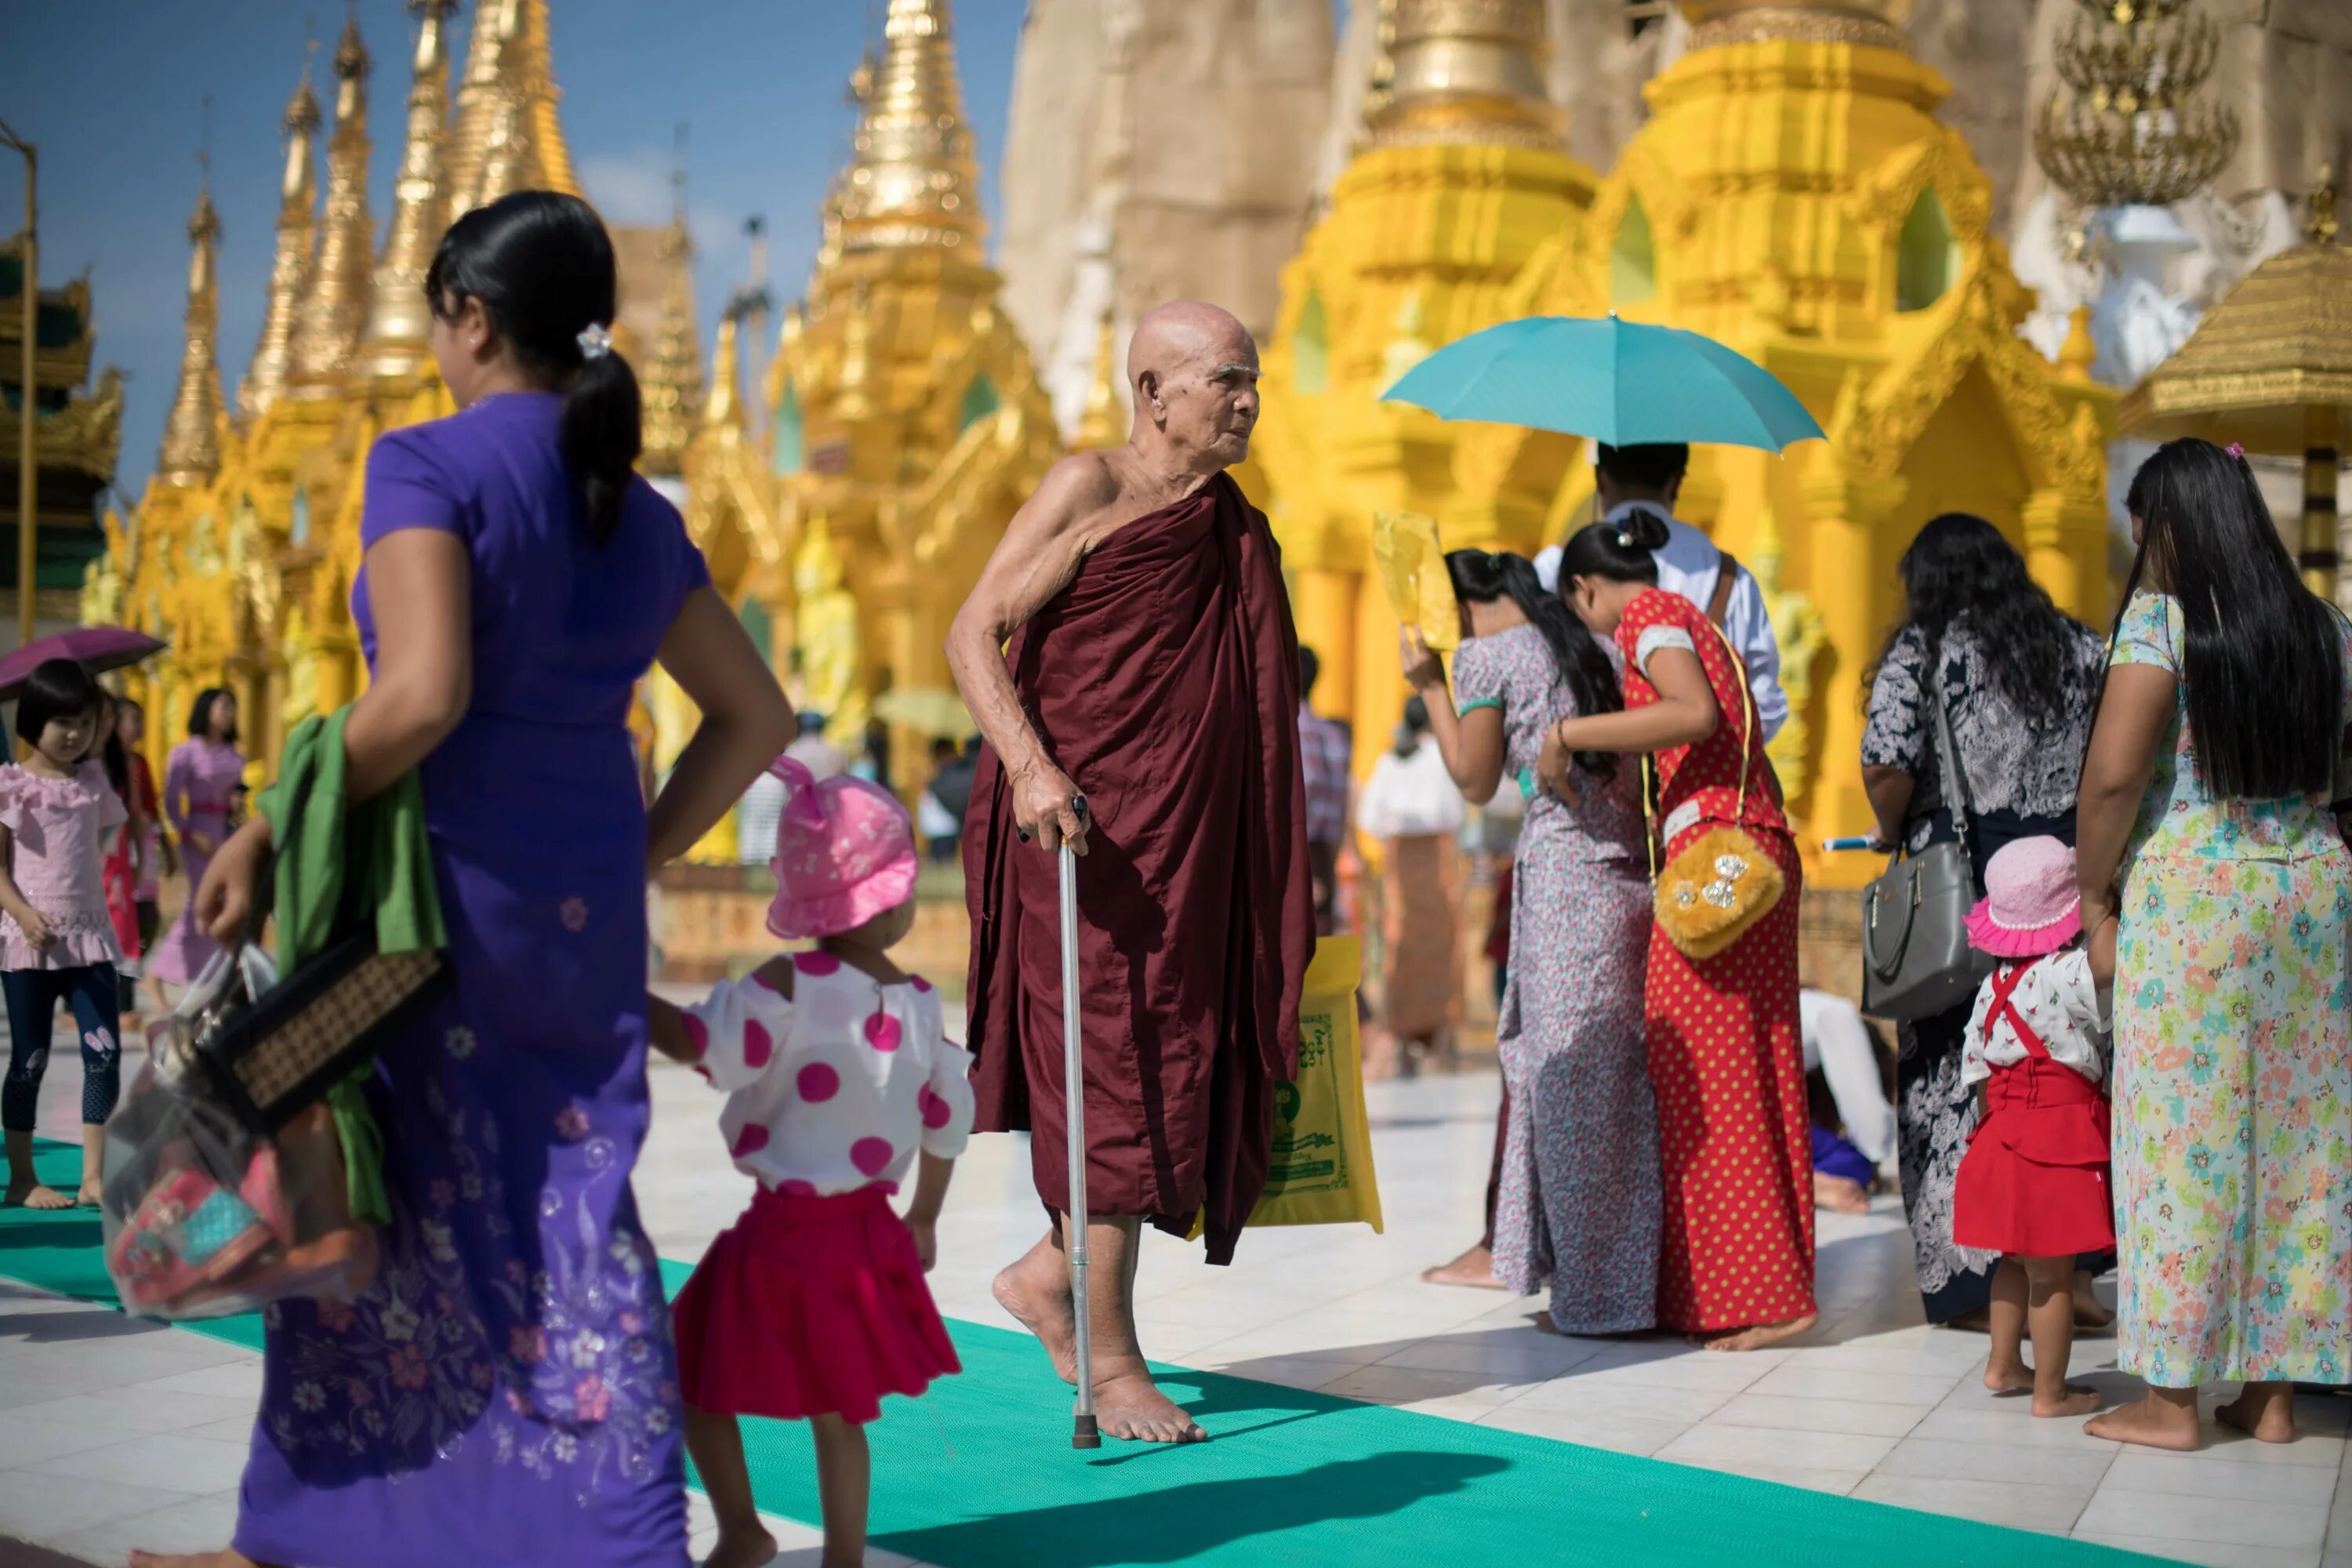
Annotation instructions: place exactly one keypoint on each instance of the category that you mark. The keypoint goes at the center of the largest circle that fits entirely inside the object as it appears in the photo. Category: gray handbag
(1916, 957)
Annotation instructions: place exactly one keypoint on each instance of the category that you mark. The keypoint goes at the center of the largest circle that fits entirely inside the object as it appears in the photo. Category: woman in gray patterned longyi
(2017, 678)
(1580, 1203)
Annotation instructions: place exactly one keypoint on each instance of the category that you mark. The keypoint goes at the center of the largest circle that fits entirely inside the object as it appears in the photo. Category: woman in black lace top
(2017, 678)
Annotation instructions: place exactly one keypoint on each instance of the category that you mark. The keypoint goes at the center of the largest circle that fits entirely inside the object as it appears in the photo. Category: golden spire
(913, 180)
(289, 274)
(1104, 422)
(851, 392)
(191, 453)
(722, 410)
(673, 377)
(394, 341)
(506, 137)
(334, 309)
(1468, 71)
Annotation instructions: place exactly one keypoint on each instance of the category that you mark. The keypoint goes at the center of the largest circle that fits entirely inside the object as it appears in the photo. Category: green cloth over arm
(338, 867)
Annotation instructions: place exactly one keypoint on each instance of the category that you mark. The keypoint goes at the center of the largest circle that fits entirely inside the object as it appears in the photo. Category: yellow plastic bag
(1322, 1167)
(1413, 570)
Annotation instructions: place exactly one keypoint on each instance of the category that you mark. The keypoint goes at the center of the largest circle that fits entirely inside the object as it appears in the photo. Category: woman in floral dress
(2206, 827)
(504, 1391)
(1578, 1208)
(1726, 1041)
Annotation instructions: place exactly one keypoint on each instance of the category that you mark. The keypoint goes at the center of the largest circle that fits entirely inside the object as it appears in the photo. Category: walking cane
(1085, 1435)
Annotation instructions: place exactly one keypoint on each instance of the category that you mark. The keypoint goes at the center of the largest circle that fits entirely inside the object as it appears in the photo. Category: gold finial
(1104, 422)
(2080, 351)
(289, 271)
(2321, 228)
(722, 410)
(394, 342)
(334, 307)
(191, 452)
(913, 178)
(673, 378)
(1468, 71)
(506, 136)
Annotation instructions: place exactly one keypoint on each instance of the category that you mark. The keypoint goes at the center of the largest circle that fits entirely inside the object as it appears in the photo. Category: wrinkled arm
(745, 722)
(2134, 716)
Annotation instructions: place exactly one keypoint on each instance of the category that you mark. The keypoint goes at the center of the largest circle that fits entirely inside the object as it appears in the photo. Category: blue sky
(111, 91)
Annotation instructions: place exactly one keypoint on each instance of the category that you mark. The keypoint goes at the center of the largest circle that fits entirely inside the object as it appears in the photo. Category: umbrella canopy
(927, 711)
(95, 649)
(1618, 381)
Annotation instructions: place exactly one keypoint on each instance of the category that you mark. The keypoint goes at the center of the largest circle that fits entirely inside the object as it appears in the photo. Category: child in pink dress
(838, 1078)
(56, 938)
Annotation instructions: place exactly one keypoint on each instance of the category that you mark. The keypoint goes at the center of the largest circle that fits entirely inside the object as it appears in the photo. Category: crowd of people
(2156, 1078)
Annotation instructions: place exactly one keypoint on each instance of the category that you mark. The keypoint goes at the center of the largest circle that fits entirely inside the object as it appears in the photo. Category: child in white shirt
(838, 1079)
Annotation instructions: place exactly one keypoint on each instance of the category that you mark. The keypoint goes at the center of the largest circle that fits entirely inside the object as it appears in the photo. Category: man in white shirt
(1690, 564)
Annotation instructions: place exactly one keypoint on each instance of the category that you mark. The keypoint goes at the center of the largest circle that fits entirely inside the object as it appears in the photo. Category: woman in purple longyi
(505, 1390)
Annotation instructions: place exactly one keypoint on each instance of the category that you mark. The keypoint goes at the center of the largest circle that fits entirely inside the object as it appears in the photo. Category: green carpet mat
(979, 1473)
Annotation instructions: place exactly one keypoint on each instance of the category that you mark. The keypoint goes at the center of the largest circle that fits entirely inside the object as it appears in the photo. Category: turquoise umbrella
(1613, 381)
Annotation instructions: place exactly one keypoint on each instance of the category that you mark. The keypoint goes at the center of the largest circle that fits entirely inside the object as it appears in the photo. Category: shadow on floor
(1178, 1523)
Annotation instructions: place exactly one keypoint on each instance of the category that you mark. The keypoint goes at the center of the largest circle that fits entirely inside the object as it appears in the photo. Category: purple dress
(505, 1392)
(198, 779)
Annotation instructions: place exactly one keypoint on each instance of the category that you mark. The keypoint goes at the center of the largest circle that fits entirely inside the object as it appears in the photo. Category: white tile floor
(113, 1433)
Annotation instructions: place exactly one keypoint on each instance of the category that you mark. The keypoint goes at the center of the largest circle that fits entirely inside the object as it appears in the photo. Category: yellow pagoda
(1461, 179)
(906, 423)
(243, 550)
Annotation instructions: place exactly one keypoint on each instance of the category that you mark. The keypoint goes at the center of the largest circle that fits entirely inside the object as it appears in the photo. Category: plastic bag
(1321, 1172)
(1413, 570)
(204, 1217)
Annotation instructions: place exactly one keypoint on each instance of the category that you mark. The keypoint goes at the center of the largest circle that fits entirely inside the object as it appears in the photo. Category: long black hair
(2263, 659)
(57, 689)
(1959, 568)
(200, 713)
(1623, 550)
(1577, 660)
(542, 265)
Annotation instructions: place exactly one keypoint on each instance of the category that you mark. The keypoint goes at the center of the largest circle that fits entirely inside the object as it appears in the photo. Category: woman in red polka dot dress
(838, 1077)
(1727, 1059)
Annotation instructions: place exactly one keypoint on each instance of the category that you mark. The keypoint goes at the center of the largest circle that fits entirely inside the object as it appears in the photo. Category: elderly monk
(1152, 669)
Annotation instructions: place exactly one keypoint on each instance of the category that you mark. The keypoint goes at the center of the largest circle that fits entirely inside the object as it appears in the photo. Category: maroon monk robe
(1164, 681)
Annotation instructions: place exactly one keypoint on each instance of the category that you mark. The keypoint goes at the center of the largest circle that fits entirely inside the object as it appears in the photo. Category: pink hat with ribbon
(844, 853)
(2032, 905)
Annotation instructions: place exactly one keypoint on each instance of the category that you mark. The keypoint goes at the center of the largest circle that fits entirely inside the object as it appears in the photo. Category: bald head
(1193, 367)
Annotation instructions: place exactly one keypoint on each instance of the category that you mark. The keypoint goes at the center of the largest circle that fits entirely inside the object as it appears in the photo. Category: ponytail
(1578, 659)
(541, 263)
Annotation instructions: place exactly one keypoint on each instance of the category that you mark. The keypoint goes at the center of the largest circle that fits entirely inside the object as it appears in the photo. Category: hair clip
(2236, 451)
(595, 341)
(1624, 539)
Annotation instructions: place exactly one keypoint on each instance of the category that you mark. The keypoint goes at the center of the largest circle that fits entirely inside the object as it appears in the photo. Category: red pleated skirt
(810, 1306)
(2034, 1181)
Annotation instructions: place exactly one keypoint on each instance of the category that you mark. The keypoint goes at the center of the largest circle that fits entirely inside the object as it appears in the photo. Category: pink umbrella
(95, 649)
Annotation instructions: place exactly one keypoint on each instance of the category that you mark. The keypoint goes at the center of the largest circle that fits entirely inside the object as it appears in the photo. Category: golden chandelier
(2131, 131)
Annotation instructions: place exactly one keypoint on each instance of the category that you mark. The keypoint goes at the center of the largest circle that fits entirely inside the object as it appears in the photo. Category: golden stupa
(1793, 196)
(904, 423)
(243, 548)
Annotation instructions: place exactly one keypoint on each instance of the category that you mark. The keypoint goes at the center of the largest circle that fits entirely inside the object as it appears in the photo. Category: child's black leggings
(33, 995)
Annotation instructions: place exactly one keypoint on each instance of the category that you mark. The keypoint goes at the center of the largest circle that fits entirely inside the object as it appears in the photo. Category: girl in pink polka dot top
(838, 1079)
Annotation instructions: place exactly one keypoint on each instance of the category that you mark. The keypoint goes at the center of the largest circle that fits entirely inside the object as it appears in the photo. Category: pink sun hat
(2032, 905)
(844, 853)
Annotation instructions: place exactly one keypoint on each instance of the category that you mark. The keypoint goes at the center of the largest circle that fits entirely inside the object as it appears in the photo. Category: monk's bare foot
(223, 1559)
(1757, 1336)
(2262, 1414)
(1840, 1196)
(2076, 1401)
(2151, 1422)
(1130, 1406)
(1475, 1267)
(37, 1195)
(2088, 1313)
(2015, 1377)
(741, 1549)
(1036, 1292)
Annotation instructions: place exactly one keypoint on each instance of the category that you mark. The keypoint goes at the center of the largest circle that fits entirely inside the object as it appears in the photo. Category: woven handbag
(1723, 883)
(273, 1054)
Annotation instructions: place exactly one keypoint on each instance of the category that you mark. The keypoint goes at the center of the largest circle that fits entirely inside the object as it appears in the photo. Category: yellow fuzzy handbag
(1723, 882)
